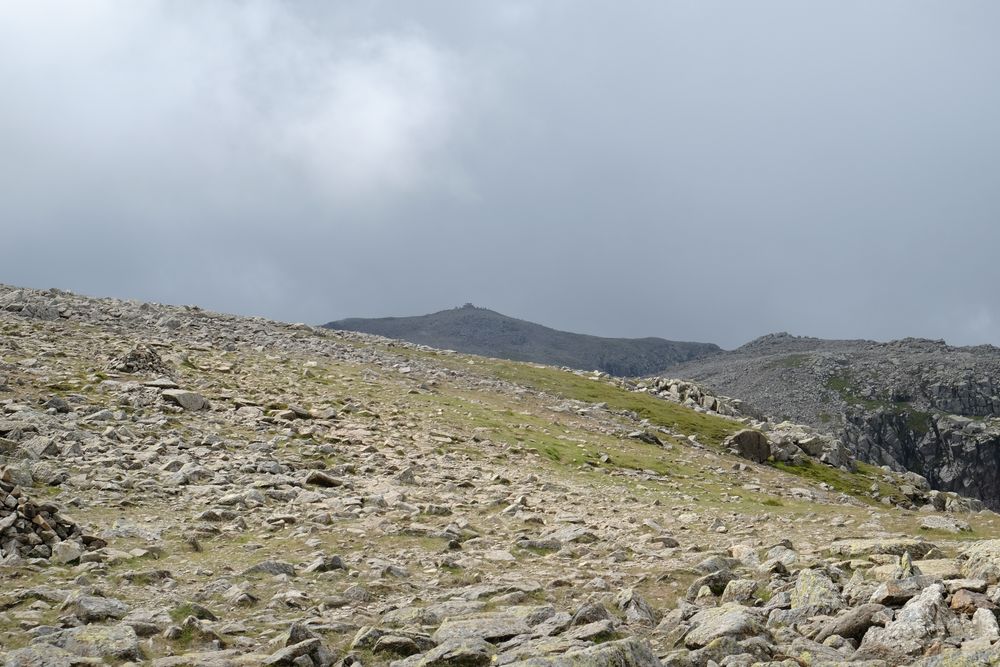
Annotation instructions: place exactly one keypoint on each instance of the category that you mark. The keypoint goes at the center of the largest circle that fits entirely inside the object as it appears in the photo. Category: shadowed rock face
(911, 404)
(488, 333)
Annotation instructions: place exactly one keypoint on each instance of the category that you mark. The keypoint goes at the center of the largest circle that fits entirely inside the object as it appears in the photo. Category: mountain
(184, 487)
(912, 404)
(485, 332)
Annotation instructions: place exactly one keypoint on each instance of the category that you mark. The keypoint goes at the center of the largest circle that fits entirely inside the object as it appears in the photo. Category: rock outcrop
(912, 404)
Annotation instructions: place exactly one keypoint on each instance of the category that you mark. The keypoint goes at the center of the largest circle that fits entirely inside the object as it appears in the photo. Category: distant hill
(488, 333)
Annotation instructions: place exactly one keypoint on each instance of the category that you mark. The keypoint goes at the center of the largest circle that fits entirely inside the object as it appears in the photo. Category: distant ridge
(485, 332)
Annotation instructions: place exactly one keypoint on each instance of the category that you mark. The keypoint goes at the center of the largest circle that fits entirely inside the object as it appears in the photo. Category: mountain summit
(486, 332)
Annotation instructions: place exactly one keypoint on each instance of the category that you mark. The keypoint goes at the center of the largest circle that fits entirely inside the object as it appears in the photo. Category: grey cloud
(694, 170)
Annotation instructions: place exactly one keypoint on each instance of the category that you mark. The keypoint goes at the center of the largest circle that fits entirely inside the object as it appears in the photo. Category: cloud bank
(694, 170)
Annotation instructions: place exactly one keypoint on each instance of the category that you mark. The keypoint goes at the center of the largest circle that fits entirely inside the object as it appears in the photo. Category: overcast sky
(697, 170)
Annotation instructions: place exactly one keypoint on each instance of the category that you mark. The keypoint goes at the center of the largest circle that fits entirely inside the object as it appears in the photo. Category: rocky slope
(481, 331)
(912, 404)
(179, 487)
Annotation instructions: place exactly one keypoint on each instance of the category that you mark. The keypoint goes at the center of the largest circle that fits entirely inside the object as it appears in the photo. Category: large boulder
(858, 548)
(982, 561)
(749, 444)
(630, 652)
(114, 642)
(924, 619)
(729, 620)
(814, 589)
(188, 400)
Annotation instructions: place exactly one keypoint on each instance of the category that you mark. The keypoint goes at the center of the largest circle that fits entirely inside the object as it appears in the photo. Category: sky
(696, 170)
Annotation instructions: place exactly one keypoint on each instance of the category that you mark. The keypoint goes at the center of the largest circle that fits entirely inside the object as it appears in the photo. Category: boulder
(749, 444)
(729, 620)
(982, 561)
(114, 642)
(188, 400)
(925, 618)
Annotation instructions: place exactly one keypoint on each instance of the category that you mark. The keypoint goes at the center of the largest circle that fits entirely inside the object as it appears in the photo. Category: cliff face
(912, 404)
(954, 453)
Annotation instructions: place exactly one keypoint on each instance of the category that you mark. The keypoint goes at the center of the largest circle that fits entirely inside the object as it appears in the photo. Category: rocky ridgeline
(694, 396)
(246, 492)
(911, 404)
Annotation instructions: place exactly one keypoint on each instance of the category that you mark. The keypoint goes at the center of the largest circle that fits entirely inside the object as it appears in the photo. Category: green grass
(791, 361)
(917, 421)
(710, 429)
(857, 484)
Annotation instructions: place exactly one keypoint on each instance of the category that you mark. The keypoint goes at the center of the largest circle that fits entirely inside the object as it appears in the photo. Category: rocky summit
(180, 487)
(487, 332)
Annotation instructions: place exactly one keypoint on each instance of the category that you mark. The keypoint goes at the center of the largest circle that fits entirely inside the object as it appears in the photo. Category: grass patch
(857, 484)
(709, 428)
(791, 361)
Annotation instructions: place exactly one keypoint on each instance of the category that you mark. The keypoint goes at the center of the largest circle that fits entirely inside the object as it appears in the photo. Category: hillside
(480, 331)
(913, 404)
(180, 487)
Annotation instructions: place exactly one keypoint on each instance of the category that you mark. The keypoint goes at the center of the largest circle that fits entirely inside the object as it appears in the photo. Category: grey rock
(92, 609)
(188, 400)
(117, 642)
(470, 652)
(729, 620)
(924, 618)
(630, 652)
(749, 444)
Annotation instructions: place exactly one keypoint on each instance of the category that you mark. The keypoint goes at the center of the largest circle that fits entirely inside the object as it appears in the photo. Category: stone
(320, 478)
(188, 400)
(271, 567)
(729, 620)
(857, 548)
(492, 628)
(44, 655)
(740, 591)
(984, 622)
(469, 652)
(92, 609)
(118, 642)
(944, 523)
(67, 551)
(288, 654)
(635, 608)
(853, 623)
(898, 591)
(749, 444)
(968, 602)
(815, 589)
(630, 652)
(982, 561)
(924, 618)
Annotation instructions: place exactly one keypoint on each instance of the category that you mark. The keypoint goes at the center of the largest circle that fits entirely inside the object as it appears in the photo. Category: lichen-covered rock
(922, 620)
(629, 652)
(815, 589)
(982, 561)
(118, 642)
(730, 620)
(893, 547)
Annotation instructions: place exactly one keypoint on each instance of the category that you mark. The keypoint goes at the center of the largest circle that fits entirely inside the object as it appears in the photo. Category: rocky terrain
(912, 404)
(482, 331)
(180, 487)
